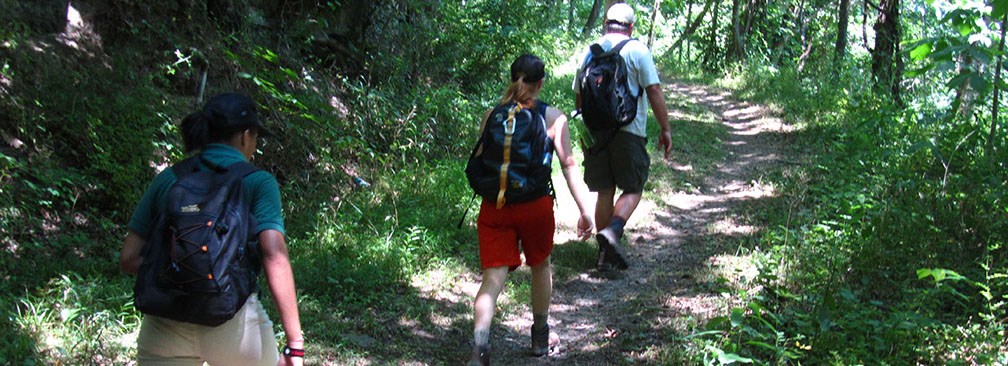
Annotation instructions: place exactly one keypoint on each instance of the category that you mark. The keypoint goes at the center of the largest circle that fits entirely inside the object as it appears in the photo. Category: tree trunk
(750, 13)
(711, 54)
(688, 16)
(864, 26)
(570, 15)
(654, 14)
(843, 16)
(592, 17)
(887, 64)
(736, 38)
(692, 27)
(806, 43)
(781, 39)
(997, 90)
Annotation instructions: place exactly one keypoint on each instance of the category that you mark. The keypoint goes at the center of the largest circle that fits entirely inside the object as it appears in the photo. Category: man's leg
(625, 206)
(610, 253)
(603, 215)
(604, 207)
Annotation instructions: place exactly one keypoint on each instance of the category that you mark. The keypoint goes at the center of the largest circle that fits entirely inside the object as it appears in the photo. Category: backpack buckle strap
(509, 127)
(509, 123)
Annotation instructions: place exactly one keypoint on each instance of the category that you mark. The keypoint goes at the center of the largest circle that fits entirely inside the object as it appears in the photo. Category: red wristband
(293, 352)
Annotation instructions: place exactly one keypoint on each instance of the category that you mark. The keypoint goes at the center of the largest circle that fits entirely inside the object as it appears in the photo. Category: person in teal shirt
(225, 131)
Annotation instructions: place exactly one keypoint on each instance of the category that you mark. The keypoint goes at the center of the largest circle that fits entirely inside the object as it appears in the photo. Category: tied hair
(520, 92)
(196, 131)
(202, 128)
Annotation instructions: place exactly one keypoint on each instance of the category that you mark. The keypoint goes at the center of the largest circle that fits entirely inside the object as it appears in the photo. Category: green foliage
(71, 318)
(894, 195)
(890, 248)
(749, 335)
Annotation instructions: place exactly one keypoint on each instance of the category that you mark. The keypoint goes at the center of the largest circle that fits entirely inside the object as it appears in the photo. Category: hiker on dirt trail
(619, 158)
(221, 136)
(507, 230)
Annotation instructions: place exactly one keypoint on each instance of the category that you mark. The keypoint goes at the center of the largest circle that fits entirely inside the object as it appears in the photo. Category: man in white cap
(623, 162)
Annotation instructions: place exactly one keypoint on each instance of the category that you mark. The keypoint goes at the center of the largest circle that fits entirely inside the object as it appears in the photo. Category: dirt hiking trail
(622, 317)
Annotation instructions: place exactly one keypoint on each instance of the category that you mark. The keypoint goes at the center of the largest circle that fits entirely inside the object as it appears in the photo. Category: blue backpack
(514, 165)
(202, 260)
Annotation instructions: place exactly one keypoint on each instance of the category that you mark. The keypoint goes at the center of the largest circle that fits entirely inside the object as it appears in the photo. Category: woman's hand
(291, 361)
(585, 226)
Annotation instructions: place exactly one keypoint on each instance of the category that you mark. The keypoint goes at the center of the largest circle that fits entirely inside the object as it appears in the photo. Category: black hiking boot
(543, 341)
(480, 356)
(603, 251)
(610, 253)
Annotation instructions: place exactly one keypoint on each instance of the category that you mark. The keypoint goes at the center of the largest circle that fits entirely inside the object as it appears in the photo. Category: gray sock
(481, 337)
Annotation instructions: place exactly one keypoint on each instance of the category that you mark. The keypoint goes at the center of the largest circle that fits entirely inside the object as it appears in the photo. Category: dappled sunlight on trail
(682, 239)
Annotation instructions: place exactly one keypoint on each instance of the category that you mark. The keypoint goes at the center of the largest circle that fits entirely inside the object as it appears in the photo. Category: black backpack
(201, 262)
(606, 101)
(517, 152)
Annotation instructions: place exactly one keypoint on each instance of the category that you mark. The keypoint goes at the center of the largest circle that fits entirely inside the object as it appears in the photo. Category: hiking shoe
(480, 356)
(543, 341)
(603, 251)
(614, 256)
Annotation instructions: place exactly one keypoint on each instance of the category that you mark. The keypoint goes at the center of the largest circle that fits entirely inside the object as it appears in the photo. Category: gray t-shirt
(641, 73)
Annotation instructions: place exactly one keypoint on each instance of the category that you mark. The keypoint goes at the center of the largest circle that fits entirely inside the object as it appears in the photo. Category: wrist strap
(293, 352)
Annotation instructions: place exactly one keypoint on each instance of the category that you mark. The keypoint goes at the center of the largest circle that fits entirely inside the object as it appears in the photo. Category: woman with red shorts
(506, 232)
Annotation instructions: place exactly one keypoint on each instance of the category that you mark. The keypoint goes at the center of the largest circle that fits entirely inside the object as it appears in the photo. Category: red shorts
(529, 225)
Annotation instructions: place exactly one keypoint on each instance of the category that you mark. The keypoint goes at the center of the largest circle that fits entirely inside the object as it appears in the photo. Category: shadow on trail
(638, 316)
(676, 244)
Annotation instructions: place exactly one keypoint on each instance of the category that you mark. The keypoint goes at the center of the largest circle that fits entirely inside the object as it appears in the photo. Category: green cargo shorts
(623, 163)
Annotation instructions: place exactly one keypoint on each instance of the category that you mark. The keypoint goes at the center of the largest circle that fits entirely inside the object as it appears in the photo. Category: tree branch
(693, 26)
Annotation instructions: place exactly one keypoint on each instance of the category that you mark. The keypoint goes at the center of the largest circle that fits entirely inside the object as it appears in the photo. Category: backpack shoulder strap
(186, 166)
(541, 107)
(241, 169)
(192, 164)
(619, 46)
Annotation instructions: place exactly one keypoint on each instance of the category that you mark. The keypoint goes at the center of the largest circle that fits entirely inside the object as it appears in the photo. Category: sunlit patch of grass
(80, 320)
(697, 136)
(573, 258)
(969, 344)
(734, 271)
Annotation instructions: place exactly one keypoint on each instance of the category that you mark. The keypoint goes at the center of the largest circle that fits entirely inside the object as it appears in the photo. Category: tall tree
(689, 15)
(998, 65)
(843, 16)
(570, 15)
(654, 14)
(807, 41)
(887, 65)
(693, 25)
(711, 56)
(736, 38)
(592, 17)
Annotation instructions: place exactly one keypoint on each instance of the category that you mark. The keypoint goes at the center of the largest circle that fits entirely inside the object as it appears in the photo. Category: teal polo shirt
(261, 191)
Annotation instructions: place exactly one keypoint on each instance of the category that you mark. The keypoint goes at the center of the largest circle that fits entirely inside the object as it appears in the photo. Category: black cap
(529, 66)
(234, 112)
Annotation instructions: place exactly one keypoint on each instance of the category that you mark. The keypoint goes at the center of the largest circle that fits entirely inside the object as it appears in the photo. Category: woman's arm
(280, 277)
(129, 256)
(565, 155)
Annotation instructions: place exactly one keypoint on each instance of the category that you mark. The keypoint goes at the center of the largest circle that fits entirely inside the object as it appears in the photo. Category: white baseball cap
(620, 12)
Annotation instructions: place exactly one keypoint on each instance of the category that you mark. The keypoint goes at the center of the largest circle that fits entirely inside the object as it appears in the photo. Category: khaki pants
(246, 339)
